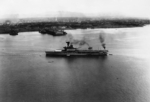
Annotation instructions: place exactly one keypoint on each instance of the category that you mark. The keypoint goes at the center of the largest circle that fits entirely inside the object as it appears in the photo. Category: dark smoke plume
(79, 42)
(102, 39)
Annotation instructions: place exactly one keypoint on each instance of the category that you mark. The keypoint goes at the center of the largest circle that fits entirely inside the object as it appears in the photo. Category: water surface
(26, 75)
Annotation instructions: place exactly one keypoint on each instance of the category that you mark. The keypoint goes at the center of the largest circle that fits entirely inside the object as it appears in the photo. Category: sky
(34, 8)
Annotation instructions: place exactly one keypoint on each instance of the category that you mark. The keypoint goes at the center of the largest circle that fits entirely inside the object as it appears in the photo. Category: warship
(70, 50)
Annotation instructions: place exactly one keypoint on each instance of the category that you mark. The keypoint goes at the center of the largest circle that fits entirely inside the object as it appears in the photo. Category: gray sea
(27, 75)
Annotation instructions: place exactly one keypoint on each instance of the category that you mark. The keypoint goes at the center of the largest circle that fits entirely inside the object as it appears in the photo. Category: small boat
(52, 32)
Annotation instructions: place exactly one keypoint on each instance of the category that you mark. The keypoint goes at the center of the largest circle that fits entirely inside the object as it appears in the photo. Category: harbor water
(27, 75)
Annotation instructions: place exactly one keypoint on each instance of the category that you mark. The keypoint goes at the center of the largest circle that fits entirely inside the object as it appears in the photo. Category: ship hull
(94, 53)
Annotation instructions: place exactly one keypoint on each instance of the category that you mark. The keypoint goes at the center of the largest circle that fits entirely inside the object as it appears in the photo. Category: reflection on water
(26, 75)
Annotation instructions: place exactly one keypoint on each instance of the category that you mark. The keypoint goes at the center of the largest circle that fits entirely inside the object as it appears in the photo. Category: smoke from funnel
(80, 42)
(102, 39)
(69, 38)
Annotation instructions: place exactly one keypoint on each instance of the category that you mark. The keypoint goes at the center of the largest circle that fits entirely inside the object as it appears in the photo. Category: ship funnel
(68, 43)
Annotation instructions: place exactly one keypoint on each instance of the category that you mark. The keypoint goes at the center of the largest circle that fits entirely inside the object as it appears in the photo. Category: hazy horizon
(50, 8)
